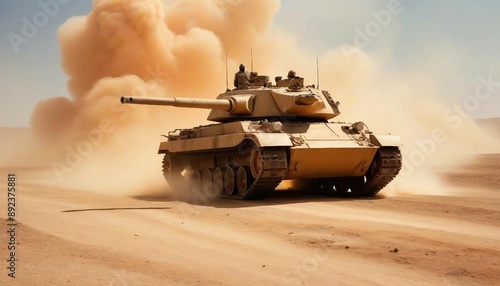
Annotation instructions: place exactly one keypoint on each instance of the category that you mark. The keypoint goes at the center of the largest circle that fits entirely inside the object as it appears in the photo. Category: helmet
(242, 67)
(291, 74)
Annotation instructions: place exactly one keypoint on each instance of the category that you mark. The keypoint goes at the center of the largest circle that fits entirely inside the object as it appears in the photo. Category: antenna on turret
(317, 70)
(227, 81)
(251, 59)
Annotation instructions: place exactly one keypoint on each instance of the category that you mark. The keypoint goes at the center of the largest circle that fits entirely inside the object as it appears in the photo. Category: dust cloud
(138, 48)
(152, 48)
(435, 136)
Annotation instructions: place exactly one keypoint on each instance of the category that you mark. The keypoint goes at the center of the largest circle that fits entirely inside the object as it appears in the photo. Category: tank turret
(288, 100)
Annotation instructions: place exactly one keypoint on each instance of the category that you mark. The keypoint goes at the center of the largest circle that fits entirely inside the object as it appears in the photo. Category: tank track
(274, 168)
(384, 168)
(390, 162)
(273, 164)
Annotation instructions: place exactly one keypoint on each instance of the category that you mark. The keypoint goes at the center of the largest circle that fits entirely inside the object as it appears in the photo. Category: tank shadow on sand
(279, 197)
(116, 209)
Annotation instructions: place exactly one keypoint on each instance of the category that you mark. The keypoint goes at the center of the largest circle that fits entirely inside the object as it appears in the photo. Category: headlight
(276, 126)
(359, 126)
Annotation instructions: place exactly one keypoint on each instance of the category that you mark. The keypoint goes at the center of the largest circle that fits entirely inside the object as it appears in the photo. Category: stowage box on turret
(270, 133)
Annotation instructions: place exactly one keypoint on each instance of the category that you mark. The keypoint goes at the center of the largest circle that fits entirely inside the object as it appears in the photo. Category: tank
(269, 132)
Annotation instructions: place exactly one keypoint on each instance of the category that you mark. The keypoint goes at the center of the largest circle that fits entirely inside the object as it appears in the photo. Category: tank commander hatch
(291, 81)
(242, 78)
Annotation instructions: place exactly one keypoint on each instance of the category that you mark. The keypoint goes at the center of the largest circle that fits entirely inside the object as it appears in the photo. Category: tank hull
(316, 162)
(265, 153)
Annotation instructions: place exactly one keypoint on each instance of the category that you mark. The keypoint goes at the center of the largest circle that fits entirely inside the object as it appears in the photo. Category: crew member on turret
(292, 74)
(242, 78)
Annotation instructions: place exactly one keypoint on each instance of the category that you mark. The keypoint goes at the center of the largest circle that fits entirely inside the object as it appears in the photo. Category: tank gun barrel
(242, 104)
(224, 104)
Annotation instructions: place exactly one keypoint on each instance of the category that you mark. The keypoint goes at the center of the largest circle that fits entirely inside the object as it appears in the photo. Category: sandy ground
(75, 237)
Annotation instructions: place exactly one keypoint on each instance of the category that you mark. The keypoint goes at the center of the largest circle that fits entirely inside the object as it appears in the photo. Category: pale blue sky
(462, 34)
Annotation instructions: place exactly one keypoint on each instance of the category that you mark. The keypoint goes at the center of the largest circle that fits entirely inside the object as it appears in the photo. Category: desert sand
(76, 237)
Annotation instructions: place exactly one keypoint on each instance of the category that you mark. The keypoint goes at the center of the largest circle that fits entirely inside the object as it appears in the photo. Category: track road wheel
(242, 181)
(207, 188)
(229, 181)
(217, 181)
(256, 161)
